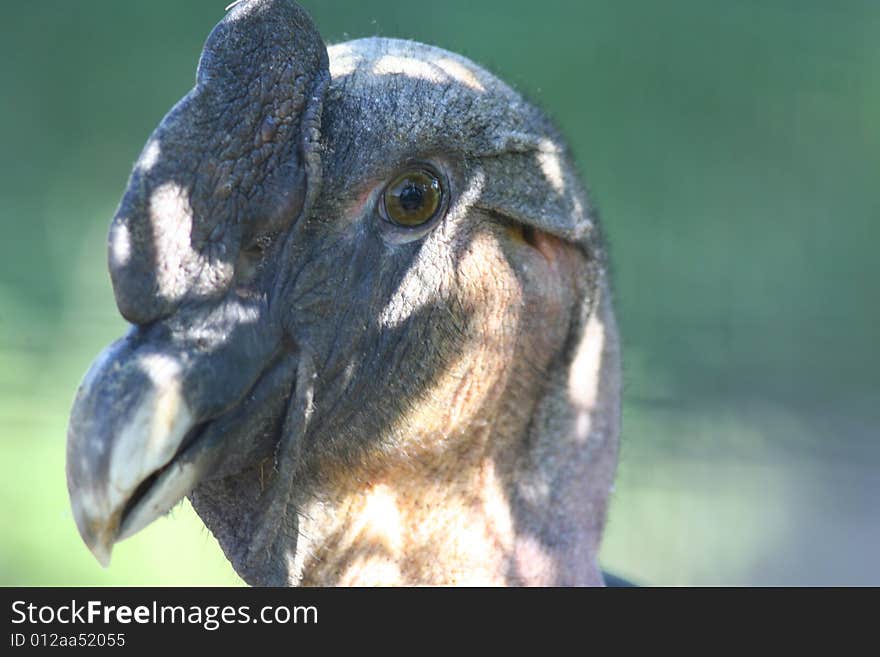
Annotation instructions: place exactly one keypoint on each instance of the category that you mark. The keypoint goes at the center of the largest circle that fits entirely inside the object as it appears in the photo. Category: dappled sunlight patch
(149, 157)
(583, 383)
(440, 71)
(460, 73)
(344, 59)
(171, 217)
(380, 519)
(409, 66)
(550, 160)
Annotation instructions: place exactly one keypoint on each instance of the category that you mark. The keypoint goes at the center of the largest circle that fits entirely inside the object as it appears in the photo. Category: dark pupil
(412, 196)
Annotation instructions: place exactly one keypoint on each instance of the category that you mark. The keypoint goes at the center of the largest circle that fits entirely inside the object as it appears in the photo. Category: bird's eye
(413, 198)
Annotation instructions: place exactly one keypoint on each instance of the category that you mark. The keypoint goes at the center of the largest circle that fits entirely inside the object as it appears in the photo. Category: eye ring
(414, 198)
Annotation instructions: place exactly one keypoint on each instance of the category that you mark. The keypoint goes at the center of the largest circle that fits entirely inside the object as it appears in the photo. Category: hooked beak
(121, 446)
(154, 417)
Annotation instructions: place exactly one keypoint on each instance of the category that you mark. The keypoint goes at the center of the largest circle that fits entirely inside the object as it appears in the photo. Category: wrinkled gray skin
(259, 277)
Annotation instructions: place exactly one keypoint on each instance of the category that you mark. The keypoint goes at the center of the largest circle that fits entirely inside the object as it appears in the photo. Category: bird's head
(333, 260)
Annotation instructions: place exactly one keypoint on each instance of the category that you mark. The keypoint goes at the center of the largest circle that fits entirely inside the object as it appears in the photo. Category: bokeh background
(734, 149)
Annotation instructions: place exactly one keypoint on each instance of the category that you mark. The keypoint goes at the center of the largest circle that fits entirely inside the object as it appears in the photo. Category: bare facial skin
(355, 380)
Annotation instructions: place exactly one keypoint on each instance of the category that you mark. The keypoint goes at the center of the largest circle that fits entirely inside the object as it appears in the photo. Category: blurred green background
(733, 147)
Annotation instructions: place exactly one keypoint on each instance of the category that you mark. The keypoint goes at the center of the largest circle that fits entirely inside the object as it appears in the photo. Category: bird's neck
(420, 526)
(521, 502)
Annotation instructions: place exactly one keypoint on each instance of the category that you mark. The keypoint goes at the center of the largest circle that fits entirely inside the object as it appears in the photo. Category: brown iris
(413, 198)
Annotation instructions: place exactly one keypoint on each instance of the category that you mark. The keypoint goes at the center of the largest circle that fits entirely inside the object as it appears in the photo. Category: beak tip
(102, 554)
(101, 547)
(98, 535)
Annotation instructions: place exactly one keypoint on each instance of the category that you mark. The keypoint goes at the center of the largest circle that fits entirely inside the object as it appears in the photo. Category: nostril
(251, 257)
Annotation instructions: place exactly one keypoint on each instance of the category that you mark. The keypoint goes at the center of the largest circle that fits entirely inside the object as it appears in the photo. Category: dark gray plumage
(349, 393)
